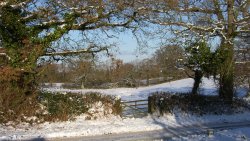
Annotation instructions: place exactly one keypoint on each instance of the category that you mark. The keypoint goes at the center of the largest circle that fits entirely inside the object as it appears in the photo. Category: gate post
(151, 105)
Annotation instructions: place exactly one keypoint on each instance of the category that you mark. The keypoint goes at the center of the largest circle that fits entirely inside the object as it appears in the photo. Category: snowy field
(208, 87)
(115, 125)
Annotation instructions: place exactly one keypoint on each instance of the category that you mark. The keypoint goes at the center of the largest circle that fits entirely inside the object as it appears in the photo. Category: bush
(62, 106)
(195, 104)
(67, 106)
(45, 106)
(17, 98)
(109, 101)
(16, 109)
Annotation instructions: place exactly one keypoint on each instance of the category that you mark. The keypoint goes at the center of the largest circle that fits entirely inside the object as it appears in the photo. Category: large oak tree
(29, 29)
(224, 19)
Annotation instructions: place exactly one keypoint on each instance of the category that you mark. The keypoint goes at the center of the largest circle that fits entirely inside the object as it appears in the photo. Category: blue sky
(126, 48)
(129, 49)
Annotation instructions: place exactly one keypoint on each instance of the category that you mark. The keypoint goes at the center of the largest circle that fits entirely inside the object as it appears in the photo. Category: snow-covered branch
(189, 26)
(91, 49)
(244, 20)
(21, 4)
(4, 54)
(2, 4)
(16, 5)
(190, 9)
(242, 62)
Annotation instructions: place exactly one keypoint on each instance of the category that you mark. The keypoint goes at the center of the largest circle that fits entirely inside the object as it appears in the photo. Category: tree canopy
(223, 19)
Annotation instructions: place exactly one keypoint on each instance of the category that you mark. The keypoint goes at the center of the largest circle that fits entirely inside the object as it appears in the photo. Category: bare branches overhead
(34, 25)
(222, 18)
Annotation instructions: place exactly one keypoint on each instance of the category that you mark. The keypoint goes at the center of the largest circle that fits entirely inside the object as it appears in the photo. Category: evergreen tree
(199, 60)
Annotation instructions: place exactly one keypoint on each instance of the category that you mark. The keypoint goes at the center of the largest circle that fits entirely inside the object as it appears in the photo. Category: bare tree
(225, 19)
(167, 58)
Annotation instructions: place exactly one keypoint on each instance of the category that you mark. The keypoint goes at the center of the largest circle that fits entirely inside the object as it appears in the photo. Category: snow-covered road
(112, 125)
(175, 133)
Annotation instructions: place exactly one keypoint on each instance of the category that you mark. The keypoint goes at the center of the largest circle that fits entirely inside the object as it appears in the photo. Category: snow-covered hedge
(57, 106)
(162, 102)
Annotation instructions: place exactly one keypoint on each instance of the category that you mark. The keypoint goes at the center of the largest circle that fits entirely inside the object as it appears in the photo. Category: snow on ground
(208, 87)
(180, 86)
(112, 125)
(239, 134)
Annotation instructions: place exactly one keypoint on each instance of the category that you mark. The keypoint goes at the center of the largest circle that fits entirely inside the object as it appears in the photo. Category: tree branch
(189, 26)
(92, 49)
(191, 9)
(190, 76)
(218, 11)
(17, 5)
(4, 54)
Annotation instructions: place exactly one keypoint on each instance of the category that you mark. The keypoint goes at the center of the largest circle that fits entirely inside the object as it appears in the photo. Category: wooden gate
(135, 108)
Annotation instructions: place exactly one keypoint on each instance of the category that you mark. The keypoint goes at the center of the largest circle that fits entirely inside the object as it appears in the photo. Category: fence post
(151, 105)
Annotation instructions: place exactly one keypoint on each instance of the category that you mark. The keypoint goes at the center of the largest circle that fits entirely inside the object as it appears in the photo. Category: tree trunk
(226, 88)
(227, 70)
(227, 74)
(197, 80)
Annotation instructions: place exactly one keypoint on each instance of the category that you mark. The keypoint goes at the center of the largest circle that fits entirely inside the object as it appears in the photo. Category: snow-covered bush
(164, 103)
(67, 106)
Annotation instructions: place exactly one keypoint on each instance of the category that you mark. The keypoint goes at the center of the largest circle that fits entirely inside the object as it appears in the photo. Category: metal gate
(135, 108)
